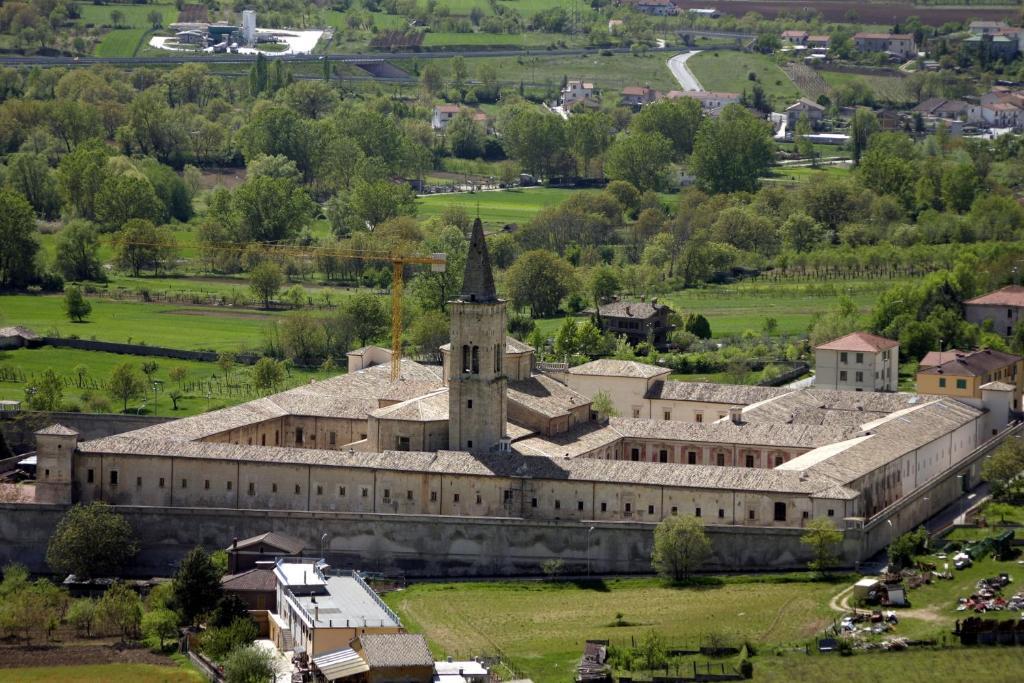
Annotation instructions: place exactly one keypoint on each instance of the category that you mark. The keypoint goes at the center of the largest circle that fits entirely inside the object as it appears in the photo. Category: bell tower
(476, 379)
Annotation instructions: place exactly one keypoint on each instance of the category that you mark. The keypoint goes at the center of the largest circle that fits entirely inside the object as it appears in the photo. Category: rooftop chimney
(736, 415)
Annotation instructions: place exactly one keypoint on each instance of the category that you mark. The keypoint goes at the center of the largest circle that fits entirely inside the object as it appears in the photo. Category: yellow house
(964, 375)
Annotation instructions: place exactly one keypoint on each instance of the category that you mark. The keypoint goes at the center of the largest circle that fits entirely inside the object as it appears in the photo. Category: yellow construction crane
(438, 263)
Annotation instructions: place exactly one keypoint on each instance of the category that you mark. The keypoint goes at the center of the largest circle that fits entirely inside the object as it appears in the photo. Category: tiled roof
(708, 392)
(937, 104)
(253, 580)
(726, 432)
(859, 341)
(580, 440)
(283, 542)
(933, 358)
(609, 367)
(973, 364)
(57, 430)
(546, 396)
(430, 408)
(395, 650)
(827, 407)
(803, 102)
(998, 386)
(632, 309)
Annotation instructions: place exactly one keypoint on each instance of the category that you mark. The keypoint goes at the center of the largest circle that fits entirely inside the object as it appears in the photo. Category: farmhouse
(489, 436)
(1002, 308)
(896, 44)
(638, 321)
(814, 112)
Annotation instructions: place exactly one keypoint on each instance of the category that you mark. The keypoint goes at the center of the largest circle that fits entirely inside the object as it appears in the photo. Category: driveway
(682, 73)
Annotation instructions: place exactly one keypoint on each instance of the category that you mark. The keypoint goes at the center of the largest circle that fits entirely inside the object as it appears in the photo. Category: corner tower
(476, 379)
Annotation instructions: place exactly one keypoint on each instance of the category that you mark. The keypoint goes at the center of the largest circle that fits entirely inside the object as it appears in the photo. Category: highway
(172, 58)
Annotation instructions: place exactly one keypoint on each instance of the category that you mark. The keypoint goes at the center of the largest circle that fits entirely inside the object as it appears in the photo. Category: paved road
(677, 65)
(359, 57)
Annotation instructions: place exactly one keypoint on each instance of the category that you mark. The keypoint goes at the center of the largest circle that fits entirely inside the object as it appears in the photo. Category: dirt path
(840, 602)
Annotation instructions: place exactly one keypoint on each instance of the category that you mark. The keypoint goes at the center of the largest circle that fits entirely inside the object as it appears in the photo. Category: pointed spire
(478, 281)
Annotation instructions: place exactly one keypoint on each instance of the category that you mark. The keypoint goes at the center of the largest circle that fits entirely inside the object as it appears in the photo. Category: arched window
(465, 358)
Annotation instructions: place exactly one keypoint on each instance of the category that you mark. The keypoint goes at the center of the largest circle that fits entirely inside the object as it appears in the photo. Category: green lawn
(108, 673)
(886, 88)
(541, 626)
(121, 42)
(99, 365)
(497, 208)
(610, 73)
(805, 174)
(523, 40)
(977, 665)
(727, 71)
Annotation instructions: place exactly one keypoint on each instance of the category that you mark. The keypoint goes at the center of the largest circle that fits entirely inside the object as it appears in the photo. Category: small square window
(455, 498)
(961, 384)
(604, 507)
(842, 375)
(721, 513)
(675, 510)
(831, 512)
(650, 509)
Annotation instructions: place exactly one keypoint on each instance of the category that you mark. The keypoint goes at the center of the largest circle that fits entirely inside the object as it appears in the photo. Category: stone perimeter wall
(417, 545)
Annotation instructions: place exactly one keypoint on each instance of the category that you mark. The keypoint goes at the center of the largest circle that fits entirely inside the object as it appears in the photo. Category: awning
(340, 664)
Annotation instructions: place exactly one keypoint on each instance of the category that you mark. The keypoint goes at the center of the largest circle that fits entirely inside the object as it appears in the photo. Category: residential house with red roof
(859, 362)
(1002, 307)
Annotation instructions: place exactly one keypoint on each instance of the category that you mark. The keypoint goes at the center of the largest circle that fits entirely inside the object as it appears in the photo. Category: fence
(143, 350)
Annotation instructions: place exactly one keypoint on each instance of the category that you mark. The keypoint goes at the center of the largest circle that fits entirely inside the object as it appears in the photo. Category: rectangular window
(721, 513)
(780, 512)
(778, 460)
(433, 496)
(161, 483)
(273, 488)
(636, 412)
(697, 513)
(721, 459)
(629, 508)
(184, 483)
(579, 505)
(341, 490)
(699, 417)
(842, 375)
(942, 382)
(113, 477)
(469, 404)
(842, 357)
(298, 435)
(138, 481)
(206, 484)
(860, 376)
(263, 439)
(675, 510)
(90, 476)
(229, 485)
(634, 454)
(252, 488)
(604, 507)
(479, 499)
(408, 495)
(277, 437)
(650, 509)
(498, 355)
(831, 512)
(465, 359)
(860, 358)
(667, 414)
(663, 456)
(365, 492)
(387, 494)
(691, 458)
(298, 489)
(319, 490)
(533, 503)
(750, 514)
(476, 360)
(402, 443)
(750, 460)
(455, 498)
(332, 438)
(558, 505)
(961, 384)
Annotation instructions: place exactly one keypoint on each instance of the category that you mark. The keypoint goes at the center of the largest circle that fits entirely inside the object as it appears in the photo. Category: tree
(82, 615)
(77, 255)
(539, 280)
(265, 281)
(588, 136)
(731, 151)
(177, 374)
(680, 546)
(697, 325)
(226, 362)
(801, 233)
(640, 159)
(368, 205)
(428, 331)
(120, 609)
(804, 145)
(91, 541)
(465, 136)
(47, 394)
(126, 383)
(604, 284)
(270, 209)
(161, 624)
(822, 537)
(196, 586)
(140, 245)
(28, 173)
(304, 338)
(76, 307)
(124, 197)
(603, 405)
(18, 242)
(906, 547)
(116, 18)
(250, 664)
(862, 127)
(80, 175)
(366, 315)
(677, 120)
(267, 374)
(1003, 470)
(533, 138)
(434, 289)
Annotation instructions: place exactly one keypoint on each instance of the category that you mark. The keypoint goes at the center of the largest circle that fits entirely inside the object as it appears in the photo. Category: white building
(443, 115)
(249, 27)
(576, 91)
(858, 362)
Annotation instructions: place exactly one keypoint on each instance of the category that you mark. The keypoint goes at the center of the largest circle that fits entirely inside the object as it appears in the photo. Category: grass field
(541, 626)
(727, 71)
(886, 88)
(121, 42)
(804, 174)
(181, 327)
(497, 208)
(108, 673)
(611, 73)
(524, 40)
(978, 665)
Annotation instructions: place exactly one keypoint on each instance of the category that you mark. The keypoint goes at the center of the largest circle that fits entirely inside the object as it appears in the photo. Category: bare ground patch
(16, 656)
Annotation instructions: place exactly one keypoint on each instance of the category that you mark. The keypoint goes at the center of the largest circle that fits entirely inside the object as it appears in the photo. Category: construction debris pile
(988, 597)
